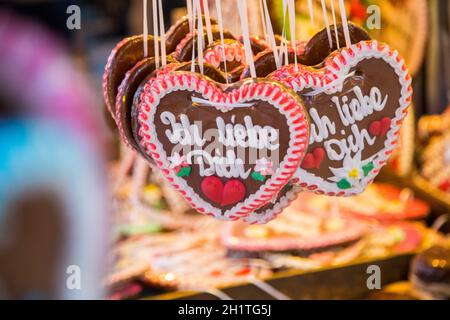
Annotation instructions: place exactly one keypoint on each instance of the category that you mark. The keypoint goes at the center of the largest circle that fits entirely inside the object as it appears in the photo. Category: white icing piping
(223, 105)
(336, 83)
(242, 8)
(348, 41)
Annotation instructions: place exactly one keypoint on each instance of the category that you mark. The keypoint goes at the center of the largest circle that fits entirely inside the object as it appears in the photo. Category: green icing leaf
(184, 172)
(258, 177)
(368, 168)
(344, 184)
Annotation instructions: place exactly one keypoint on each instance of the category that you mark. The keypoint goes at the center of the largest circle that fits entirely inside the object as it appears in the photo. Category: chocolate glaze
(265, 63)
(185, 54)
(318, 48)
(256, 43)
(125, 57)
(208, 70)
(263, 114)
(127, 90)
(175, 35)
(369, 73)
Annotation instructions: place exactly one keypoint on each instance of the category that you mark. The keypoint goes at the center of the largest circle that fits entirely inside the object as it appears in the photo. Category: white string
(145, 19)
(242, 7)
(263, 19)
(200, 36)
(189, 14)
(332, 84)
(155, 31)
(162, 32)
(267, 288)
(222, 40)
(311, 11)
(194, 19)
(271, 36)
(348, 41)
(284, 45)
(218, 293)
(292, 24)
(327, 23)
(225, 105)
(208, 22)
(335, 24)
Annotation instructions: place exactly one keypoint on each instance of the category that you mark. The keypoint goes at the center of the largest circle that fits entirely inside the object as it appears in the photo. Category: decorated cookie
(271, 210)
(298, 230)
(178, 31)
(229, 149)
(357, 102)
(125, 96)
(123, 57)
(183, 51)
(436, 162)
(385, 202)
(227, 56)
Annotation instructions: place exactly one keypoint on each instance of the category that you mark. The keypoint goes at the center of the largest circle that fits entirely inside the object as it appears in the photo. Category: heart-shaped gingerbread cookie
(356, 100)
(229, 149)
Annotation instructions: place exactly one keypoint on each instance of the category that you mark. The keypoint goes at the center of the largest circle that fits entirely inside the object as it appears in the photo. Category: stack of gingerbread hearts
(239, 135)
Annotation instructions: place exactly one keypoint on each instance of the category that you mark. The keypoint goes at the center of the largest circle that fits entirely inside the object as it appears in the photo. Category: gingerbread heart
(357, 101)
(228, 149)
(271, 210)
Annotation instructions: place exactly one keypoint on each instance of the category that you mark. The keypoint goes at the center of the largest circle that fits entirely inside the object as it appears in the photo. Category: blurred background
(61, 163)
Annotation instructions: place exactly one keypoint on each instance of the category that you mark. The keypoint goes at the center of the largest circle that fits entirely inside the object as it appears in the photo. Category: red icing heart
(314, 160)
(381, 127)
(232, 193)
(212, 188)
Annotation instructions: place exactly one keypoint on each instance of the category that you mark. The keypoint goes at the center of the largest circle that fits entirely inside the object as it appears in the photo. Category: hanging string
(348, 41)
(145, 20)
(162, 32)
(200, 36)
(292, 24)
(335, 24)
(189, 14)
(311, 11)
(208, 22)
(271, 35)
(194, 19)
(327, 23)
(242, 7)
(155, 32)
(222, 40)
(263, 19)
(284, 46)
